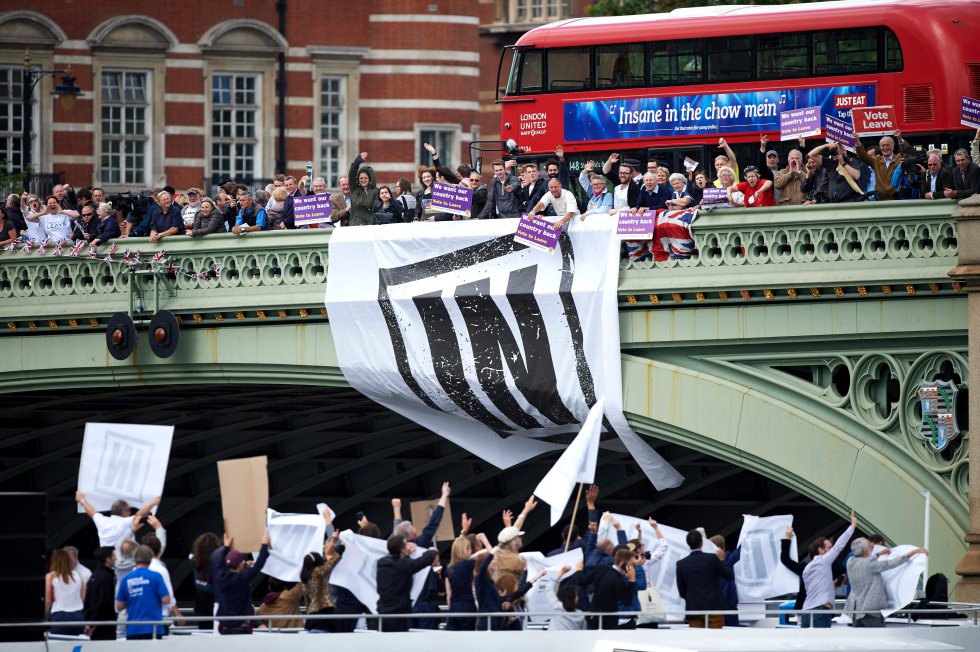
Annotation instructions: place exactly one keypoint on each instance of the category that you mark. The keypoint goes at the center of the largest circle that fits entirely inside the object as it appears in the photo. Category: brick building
(188, 93)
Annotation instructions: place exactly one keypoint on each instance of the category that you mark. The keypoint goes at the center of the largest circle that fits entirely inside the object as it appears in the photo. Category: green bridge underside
(794, 345)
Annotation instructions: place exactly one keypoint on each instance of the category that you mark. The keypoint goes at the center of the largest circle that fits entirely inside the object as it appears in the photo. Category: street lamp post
(67, 92)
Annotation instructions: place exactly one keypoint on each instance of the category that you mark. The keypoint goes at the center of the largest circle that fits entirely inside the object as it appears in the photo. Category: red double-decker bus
(667, 86)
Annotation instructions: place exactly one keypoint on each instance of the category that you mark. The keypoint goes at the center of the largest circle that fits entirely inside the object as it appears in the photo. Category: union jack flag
(74, 250)
(672, 237)
(159, 256)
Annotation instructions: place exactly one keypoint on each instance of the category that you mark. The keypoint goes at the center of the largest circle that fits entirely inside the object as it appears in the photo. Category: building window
(333, 90)
(11, 117)
(234, 125)
(124, 127)
(539, 10)
(442, 138)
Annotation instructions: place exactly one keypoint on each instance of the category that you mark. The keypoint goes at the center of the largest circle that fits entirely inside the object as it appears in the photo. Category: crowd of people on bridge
(484, 584)
(828, 173)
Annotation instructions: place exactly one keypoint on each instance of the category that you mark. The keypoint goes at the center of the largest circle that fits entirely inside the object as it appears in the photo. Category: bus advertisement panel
(645, 117)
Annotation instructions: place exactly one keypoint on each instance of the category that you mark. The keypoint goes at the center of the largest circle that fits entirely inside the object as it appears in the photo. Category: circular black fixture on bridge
(120, 336)
(164, 334)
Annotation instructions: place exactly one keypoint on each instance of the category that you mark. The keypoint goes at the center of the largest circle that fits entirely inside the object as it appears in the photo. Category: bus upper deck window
(893, 52)
(619, 66)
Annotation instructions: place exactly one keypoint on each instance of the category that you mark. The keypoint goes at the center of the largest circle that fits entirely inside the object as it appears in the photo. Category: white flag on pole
(576, 464)
(357, 571)
(293, 536)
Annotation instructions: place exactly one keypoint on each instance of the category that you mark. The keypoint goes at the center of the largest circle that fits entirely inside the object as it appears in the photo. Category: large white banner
(293, 536)
(759, 575)
(123, 461)
(541, 597)
(661, 574)
(357, 570)
(500, 348)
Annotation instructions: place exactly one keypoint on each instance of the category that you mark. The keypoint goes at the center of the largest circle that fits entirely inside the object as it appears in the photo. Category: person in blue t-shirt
(142, 594)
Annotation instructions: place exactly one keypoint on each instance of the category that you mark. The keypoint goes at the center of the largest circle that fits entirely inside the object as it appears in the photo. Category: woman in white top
(64, 594)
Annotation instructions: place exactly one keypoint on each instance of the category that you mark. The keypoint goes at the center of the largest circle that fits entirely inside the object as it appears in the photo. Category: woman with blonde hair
(459, 581)
(64, 594)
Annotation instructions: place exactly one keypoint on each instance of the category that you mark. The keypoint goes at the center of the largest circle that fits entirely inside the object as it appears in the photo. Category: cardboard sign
(538, 232)
(874, 120)
(244, 487)
(799, 123)
(312, 209)
(635, 227)
(123, 461)
(970, 113)
(448, 198)
(422, 510)
(839, 131)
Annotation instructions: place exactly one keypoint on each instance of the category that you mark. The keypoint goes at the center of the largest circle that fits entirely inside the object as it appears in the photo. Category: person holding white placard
(119, 524)
(818, 576)
(864, 571)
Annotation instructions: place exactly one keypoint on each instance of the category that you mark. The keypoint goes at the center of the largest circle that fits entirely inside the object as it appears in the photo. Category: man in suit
(340, 213)
(697, 582)
(966, 177)
(936, 178)
(864, 570)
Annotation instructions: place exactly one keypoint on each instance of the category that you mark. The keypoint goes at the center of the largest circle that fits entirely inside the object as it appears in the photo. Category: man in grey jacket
(505, 198)
(864, 571)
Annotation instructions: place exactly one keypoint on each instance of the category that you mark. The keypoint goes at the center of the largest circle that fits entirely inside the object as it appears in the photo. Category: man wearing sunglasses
(87, 226)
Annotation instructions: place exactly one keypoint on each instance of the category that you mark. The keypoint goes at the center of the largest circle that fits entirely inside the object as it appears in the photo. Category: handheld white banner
(357, 571)
(123, 461)
(576, 464)
(759, 575)
(902, 582)
(322, 507)
(539, 598)
(661, 574)
(498, 347)
(293, 536)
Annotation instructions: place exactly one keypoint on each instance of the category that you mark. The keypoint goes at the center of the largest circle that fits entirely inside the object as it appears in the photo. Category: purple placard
(840, 131)
(448, 198)
(799, 123)
(537, 232)
(970, 113)
(635, 227)
(312, 209)
(714, 195)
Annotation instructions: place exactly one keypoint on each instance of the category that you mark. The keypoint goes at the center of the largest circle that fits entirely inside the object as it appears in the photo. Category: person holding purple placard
(444, 175)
